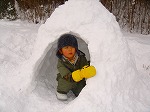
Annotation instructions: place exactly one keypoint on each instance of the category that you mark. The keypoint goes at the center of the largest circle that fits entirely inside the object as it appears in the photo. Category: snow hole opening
(46, 73)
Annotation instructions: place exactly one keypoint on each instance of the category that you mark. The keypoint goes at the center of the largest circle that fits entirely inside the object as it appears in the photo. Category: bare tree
(36, 11)
(132, 15)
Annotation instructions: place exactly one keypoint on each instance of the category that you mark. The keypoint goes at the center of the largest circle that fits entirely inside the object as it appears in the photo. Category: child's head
(67, 45)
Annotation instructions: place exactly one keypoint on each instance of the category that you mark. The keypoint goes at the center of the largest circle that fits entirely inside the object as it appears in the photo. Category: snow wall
(116, 86)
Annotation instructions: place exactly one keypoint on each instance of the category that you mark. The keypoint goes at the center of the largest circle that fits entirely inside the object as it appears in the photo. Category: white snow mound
(116, 86)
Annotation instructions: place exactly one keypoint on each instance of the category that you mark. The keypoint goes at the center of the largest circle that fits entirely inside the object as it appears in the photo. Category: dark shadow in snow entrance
(47, 70)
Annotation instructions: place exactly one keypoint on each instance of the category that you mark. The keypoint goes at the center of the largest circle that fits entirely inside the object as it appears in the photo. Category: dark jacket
(66, 68)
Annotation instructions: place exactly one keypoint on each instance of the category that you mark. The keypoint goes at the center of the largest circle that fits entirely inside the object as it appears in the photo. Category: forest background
(132, 15)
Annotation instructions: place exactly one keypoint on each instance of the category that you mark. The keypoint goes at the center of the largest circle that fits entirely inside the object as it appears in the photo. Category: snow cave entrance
(47, 70)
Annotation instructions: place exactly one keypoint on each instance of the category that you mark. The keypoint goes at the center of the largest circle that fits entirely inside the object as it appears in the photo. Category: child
(72, 66)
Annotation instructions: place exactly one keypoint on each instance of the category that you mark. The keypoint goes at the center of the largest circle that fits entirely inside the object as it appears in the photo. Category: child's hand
(76, 75)
(67, 77)
(85, 72)
(88, 71)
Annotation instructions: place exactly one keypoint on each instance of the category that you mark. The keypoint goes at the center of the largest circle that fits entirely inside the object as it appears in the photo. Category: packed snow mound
(116, 86)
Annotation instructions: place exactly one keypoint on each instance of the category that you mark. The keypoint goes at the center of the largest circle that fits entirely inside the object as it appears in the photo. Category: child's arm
(65, 73)
(85, 72)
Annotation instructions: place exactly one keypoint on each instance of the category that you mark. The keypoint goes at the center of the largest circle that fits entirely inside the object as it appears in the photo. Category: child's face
(68, 52)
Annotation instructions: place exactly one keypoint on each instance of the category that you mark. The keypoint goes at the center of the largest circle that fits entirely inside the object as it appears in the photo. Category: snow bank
(116, 87)
(16, 45)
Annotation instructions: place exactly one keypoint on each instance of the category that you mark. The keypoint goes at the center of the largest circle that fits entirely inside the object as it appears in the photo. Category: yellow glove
(76, 75)
(88, 71)
(85, 72)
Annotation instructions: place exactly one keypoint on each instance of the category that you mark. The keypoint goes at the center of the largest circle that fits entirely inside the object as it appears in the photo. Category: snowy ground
(16, 45)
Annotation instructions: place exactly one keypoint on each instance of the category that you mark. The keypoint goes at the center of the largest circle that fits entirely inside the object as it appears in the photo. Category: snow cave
(47, 70)
(115, 88)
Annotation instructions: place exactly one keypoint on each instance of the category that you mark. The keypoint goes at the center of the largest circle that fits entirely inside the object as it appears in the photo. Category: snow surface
(28, 63)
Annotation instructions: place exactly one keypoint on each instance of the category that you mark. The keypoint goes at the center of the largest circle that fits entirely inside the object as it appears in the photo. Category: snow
(28, 63)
